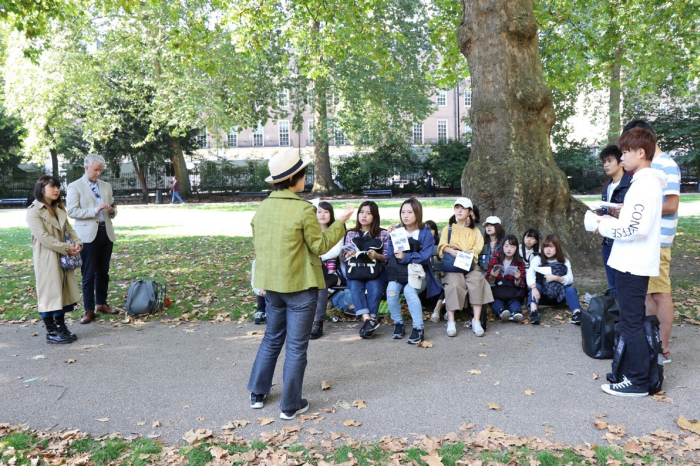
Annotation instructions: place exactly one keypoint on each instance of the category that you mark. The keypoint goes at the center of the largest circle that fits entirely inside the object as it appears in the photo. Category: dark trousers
(95, 270)
(609, 271)
(631, 294)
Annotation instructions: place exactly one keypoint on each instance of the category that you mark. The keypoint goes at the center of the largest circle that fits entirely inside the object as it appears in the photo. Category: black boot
(61, 327)
(316, 330)
(53, 336)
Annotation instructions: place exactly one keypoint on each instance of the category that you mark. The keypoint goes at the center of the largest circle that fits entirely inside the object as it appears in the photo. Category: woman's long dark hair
(433, 226)
(374, 229)
(327, 206)
(500, 233)
(417, 211)
(44, 181)
(533, 232)
(513, 241)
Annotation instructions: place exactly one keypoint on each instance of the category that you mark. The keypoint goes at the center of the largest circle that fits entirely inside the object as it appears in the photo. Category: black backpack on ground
(598, 327)
(145, 297)
(656, 368)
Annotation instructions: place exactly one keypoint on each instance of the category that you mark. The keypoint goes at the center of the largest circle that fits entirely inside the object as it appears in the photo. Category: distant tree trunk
(140, 170)
(323, 178)
(180, 167)
(54, 163)
(615, 103)
(511, 172)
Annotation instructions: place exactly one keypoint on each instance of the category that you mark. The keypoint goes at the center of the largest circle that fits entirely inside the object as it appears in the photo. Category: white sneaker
(505, 315)
(451, 329)
(477, 328)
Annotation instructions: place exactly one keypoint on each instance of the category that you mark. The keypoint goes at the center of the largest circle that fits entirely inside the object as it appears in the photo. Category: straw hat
(284, 165)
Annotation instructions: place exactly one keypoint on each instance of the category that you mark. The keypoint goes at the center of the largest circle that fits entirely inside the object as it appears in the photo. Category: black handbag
(361, 267)
(448, 260)
(398, 272)
(506, 290)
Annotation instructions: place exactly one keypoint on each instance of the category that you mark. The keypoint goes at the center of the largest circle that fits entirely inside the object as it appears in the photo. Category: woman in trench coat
(56, 289)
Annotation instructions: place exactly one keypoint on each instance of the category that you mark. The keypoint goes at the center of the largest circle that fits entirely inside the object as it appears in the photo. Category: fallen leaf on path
(600, 425)
(200, 419)
(498, 382)
(352, 422)
(266, 420)
(103, 419)
(256, 332)
(325, 385)
(425, 344)
(692, 425)
(474, 371)
(596, 376)
(234, 424)
(632, 446)
(69, 361)
(494, 406)
(195, 435)
(359, 403)
(342, 404)
(335, 436)
(156, 424)
(140, 423)
(529, 392)
(482, 355)
(39, 356)
(313, 431)
(692, 442)
(186, 407)
(465, 427)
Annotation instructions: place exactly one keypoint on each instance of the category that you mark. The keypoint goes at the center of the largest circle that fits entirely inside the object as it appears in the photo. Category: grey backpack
(145, 297)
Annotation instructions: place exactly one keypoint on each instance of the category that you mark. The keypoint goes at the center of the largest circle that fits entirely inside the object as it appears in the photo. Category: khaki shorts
(662, 283)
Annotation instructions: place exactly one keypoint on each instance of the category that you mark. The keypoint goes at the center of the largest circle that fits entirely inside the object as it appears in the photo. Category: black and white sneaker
(260, 318)
(624, 388)
(289, 415)
(505, 315)
(534, 317)
(517, 317)
(399, 331)
(369, 328)
(576, 318)
(256, 401)
(416, 336)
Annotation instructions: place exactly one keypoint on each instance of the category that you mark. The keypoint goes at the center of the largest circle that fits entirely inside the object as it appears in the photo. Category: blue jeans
(176, 194)
(369, 303)
(342, 301)
(393, 299)
(571, 298)
(609, 271)
(289, 316)
(513, 306)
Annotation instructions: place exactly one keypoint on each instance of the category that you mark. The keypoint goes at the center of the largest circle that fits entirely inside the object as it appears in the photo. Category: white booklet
(464, 260)
(590, 221)
(399, 238)
(609, 205)
(544, 270)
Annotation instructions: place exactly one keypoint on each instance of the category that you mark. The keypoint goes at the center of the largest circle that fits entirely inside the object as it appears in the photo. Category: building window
(258, 136)
(339, 138)
(283, 126)
(468, 97)
(441, 98)
(283, 98)
(310, 141)
(232, 138)
(417, 133)
(442, 130)
(202, 138)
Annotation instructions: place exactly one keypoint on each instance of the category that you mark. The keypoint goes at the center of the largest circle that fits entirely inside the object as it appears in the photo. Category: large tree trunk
(140, 170)
(180, 167)
(54, 163)
(323, 178)
(615, 102)
(511, 172)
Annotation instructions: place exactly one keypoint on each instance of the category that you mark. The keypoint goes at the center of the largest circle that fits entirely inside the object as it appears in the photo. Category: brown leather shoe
(88, 317)
(105, 309)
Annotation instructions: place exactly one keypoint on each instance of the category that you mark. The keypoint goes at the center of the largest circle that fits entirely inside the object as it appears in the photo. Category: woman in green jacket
(288, 242)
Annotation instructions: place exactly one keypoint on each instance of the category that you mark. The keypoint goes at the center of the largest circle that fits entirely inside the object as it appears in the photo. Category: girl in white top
(530, 246)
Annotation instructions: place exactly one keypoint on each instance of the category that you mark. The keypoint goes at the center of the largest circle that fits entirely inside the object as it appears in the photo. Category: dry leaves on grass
(425, 344)
(230, 425)
(193, 436)
(633, 446)
(494, 406)
(218, 452)
(432, 460)
(266, 420)
(325, 385)
(692, 425)
(359, 403)
(352, 423)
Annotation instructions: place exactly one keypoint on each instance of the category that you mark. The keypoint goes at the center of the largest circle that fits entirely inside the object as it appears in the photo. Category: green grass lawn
(435, 202)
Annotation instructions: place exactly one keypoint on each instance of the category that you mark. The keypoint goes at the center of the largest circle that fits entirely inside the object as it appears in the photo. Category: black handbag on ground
(598, 327)
(448, 260)
(361, 267)
(506, 290)
(397, 272)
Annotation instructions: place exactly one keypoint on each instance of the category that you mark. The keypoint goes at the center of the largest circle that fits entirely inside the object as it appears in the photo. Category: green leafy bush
(373, 170)
(446, 161)
(582, 167)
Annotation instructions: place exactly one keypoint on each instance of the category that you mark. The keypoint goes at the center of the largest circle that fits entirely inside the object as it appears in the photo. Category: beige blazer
(55, 287)
(81, 204)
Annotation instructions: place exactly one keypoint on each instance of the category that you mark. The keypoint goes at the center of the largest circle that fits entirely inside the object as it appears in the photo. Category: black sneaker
(316, 330)
(624, 388)
(399, 330)
(369, 328)
(534, 317)
(256, 401)
(260, 318)
(289, 415)
(576, 318)
(416, 336)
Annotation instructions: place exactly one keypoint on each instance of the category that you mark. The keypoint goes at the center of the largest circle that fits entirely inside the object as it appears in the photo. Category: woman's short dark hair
(533, 233)
(327, 206)
(374, 229)
(553, 240)
(291, 181)
(44, 181)
(433, 226)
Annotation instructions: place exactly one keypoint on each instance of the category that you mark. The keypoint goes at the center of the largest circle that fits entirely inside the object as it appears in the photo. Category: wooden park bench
(19, 201)
(253, 193)
(378, 192)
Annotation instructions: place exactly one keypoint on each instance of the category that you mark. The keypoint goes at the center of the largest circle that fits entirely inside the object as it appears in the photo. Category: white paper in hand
(510, 270)
(464, 260)
(544, 270)
(399, 239)
(590, 221)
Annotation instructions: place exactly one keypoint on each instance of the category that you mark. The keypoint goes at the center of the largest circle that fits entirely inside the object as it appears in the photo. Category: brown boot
(105, 309)
(88, 317)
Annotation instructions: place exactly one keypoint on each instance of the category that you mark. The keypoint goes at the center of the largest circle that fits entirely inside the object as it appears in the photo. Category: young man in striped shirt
(659, 301)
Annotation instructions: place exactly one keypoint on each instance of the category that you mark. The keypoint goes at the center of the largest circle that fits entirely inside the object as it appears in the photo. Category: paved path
(195, 376)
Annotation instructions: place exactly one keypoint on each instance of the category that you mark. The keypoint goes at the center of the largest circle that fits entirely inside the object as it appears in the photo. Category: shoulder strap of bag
(449, 235)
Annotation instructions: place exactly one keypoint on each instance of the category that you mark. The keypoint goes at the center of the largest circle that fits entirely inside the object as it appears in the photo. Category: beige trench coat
(55, 287)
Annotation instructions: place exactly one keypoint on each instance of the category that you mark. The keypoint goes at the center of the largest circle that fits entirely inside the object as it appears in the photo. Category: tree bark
(511, 172)
(615, 102)
(54, 162)
(140, 172)
(180, 167)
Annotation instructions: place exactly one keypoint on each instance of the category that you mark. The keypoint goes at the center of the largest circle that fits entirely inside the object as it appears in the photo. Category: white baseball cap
(492, 220)
(464, 202)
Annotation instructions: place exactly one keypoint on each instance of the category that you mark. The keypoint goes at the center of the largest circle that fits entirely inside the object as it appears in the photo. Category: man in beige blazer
(90, 203)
